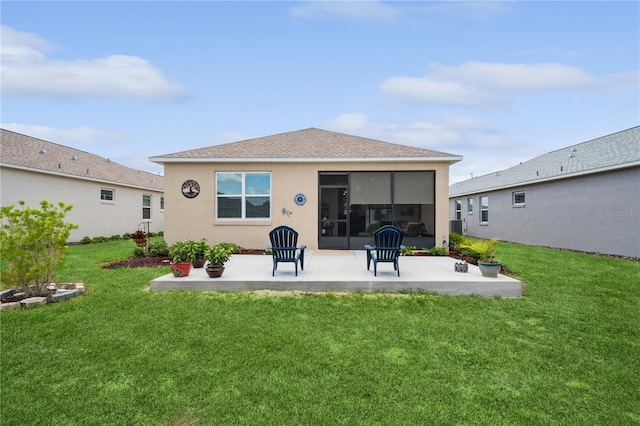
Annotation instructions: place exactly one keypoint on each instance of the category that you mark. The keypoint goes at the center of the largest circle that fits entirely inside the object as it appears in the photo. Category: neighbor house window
(146, 206)
(162, 203)
(518, 199)
(469, 205)
(107, 194)
(243, 195)
(458, 209)
(484, 209)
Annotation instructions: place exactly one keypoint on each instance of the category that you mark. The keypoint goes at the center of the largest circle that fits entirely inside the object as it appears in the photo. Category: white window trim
(243, 196)
(486, 222)
(113, 196)
(147, 207)
(469, 204)
(513, 199)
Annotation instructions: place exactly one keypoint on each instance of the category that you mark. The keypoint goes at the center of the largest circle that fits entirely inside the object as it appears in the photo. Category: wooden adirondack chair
(388, 243)
(284, 248)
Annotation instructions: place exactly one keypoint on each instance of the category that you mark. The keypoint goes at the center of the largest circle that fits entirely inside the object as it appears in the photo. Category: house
(332, 188)
(583, 197)
(108, 198)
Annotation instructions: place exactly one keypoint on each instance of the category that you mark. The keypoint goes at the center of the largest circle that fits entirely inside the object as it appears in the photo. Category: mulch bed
(157, 262)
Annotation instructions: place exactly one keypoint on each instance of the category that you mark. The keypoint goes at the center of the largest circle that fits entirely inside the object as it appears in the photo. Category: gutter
(542, 180)
(90, 179)
(163, 160)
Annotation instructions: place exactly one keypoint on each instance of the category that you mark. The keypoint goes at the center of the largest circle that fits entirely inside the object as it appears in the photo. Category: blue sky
(495, 82)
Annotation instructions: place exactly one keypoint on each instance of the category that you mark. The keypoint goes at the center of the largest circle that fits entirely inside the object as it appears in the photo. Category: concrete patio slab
(344, 271)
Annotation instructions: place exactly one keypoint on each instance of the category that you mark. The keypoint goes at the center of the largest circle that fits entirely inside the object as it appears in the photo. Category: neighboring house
(583, 197)
(108, 199)
(332, 188)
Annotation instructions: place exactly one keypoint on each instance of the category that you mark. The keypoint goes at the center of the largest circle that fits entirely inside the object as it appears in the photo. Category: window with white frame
(518, 199)
(146, 206)
(107, 195)
(162, 203)
(484, 209)
(469, 205)
(243, 195)
(458, 209)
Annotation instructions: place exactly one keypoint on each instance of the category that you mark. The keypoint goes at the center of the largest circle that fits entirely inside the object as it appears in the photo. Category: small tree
(32, 242)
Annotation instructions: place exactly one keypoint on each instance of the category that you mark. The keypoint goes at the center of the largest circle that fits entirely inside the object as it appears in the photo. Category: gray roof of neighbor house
(616, 151)
(309, 145)
(28, 153)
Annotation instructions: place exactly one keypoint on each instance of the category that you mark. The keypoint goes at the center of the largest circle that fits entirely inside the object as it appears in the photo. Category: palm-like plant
(484, 251)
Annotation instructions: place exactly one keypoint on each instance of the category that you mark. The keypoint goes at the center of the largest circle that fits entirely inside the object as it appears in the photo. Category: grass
(567, 353)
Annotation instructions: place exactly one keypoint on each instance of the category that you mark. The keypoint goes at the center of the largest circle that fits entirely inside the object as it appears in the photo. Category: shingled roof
(29, 153)
(309, 145)
(615, 151)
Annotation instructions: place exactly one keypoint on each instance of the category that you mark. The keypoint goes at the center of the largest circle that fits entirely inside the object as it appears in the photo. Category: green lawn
(566, 353)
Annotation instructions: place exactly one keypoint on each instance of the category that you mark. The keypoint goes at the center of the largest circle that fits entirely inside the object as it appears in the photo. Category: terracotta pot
(180, 270)
(215, 271)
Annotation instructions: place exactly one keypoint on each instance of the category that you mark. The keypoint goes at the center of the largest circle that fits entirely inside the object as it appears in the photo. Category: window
(518, 199)
(162, 203)
(243, 195)
(469, 205)
(146, 206)
(484, 209)
(107, 194)
(458, 209)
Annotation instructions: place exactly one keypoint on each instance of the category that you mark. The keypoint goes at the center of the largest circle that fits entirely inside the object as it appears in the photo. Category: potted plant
(485, 253)
(200, 249)
(182, 254)
(139, 238)
(217, 255)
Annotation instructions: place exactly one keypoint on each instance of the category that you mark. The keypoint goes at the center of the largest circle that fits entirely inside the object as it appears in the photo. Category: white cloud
(27, 71)
(476, 83)
(364, 10)
(79, 137)
(483, 148)
(349, 122)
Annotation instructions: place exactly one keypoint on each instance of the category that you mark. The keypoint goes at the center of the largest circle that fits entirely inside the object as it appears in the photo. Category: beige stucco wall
(195, 218)
(95, 217)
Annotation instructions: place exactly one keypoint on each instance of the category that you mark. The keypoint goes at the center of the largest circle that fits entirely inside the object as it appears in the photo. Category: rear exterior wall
(195, 218)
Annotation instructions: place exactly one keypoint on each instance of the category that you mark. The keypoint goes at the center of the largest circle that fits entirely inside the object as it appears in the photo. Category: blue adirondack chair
(284, 248)
(388, 240)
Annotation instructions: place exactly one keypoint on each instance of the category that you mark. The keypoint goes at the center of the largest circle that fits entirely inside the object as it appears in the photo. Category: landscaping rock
(32, 302)
(9, 306)
(6, 293)
(64, 295)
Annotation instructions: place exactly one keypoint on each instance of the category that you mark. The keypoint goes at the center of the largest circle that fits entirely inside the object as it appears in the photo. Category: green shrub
(100, 239)
(126, 236)
(86, 240)
(438, 251)
(407, 251)
(115, 238)
(158, 248)
(138, 252)
(235, 249)
(455, 240)
(33, 242)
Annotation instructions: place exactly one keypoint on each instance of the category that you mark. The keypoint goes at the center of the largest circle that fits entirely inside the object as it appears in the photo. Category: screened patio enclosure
(353, 205)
